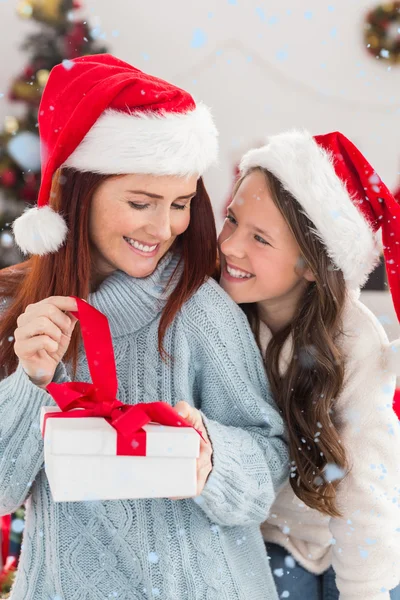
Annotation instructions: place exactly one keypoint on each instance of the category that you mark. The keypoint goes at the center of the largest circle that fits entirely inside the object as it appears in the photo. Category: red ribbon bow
(98, 399)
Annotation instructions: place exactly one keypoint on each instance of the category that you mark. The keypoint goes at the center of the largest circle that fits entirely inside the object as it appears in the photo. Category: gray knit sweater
(207, 548)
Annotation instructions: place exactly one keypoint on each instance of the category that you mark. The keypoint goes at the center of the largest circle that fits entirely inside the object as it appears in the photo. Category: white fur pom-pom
(40, 231)
(393, 357)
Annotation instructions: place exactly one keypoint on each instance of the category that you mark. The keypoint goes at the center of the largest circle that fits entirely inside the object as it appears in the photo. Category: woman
(124, 220)
(297, 243)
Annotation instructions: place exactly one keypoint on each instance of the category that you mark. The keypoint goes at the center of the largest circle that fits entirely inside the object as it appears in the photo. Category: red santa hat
(344, 198)
(102, 115)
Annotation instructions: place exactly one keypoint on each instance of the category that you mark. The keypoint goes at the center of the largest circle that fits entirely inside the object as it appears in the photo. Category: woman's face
(135, 219)
(260, 258)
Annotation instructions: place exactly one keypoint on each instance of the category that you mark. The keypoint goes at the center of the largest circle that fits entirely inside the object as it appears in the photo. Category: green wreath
(382, 32)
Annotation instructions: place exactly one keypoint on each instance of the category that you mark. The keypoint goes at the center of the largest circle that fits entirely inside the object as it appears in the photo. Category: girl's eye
(261, 240)
(179, 206)
(138, 206)
(231, 219)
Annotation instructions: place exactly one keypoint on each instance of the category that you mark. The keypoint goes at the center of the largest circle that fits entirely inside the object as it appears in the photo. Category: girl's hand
(43, 335)
(204, 464)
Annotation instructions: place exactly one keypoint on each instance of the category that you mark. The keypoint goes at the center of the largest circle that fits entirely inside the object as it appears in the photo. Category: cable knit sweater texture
(364, 545)
(208, 548)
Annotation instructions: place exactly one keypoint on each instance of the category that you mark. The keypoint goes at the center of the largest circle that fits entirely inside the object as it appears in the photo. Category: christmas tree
(60, 38)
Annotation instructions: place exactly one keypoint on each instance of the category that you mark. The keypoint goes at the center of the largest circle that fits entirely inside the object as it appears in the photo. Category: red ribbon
(98, 399)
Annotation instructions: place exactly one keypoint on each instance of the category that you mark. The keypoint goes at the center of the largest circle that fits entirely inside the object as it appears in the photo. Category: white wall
(262, 66)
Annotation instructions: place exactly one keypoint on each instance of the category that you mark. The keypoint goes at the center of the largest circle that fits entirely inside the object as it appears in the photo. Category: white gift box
(81, 461)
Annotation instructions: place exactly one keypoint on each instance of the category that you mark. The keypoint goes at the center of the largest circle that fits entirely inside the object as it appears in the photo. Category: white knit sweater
(364, 546)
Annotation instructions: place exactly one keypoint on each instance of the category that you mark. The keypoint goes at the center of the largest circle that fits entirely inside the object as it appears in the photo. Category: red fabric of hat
(372, 198)
(76, 95)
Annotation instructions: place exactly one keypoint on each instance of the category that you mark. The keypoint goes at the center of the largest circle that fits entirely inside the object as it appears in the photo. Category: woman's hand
(43, 335)
(204, 464)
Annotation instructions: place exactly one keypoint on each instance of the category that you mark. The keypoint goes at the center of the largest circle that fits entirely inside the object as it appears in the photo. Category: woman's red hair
(68, 272)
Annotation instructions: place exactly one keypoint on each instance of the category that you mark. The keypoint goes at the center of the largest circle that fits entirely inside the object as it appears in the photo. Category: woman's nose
(160, 226)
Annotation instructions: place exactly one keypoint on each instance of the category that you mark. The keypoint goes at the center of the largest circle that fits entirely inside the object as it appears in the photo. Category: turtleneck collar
(129, 303)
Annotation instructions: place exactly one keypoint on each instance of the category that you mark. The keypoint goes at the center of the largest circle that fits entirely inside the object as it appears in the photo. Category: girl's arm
(366, 550)
(250, 459)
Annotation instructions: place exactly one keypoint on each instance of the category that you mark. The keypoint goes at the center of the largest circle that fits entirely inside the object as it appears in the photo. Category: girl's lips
(229, 277)
(238, 269)
(140, 252)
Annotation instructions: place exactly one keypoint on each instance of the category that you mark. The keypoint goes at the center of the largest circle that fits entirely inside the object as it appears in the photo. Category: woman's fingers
(183, 409)
(204, 464)
(190, 414)
(28, 348)
(65, 303)
(43, 335)
(204, 468)
(50, 311)
(39, 326)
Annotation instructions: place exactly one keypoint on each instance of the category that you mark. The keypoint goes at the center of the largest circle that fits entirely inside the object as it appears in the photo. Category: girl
(297, 243)
(124, 220)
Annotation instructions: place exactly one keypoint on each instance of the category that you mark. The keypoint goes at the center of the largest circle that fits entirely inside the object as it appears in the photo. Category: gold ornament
(42, 76)
(11, 125)
(28, 91)
(388, 8)
(47, 11)
(374, 41)
(25, 9)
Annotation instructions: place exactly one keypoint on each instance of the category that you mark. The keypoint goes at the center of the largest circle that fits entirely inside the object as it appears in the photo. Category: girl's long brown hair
(68, 272)
(306, 393)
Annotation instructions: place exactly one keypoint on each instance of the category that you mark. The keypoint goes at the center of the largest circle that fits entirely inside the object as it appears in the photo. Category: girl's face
(135, 219)
(260, 258)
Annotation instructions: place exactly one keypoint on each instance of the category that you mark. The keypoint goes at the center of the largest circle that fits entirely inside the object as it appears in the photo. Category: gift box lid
(95, 436)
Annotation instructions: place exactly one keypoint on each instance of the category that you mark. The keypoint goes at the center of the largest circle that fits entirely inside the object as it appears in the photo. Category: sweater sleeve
(250, 459)
(21, 445)
(366, 550)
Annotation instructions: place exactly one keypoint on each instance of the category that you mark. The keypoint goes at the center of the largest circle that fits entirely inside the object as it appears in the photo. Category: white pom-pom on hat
(40, 231)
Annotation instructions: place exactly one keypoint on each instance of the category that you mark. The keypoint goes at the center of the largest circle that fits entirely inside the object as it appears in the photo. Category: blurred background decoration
(11, 530)
(381, 29)
(60, 36)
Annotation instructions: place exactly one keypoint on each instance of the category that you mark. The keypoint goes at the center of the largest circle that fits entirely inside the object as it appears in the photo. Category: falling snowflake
(199, 39)
(153, 558)
(67, 64)
(333, 472)
(17, 525)
(290, 563)
(260, 13)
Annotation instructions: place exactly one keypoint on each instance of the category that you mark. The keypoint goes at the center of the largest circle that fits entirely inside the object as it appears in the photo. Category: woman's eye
(261, 240)
(231, 219)
(138, 206)
(179, 206)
